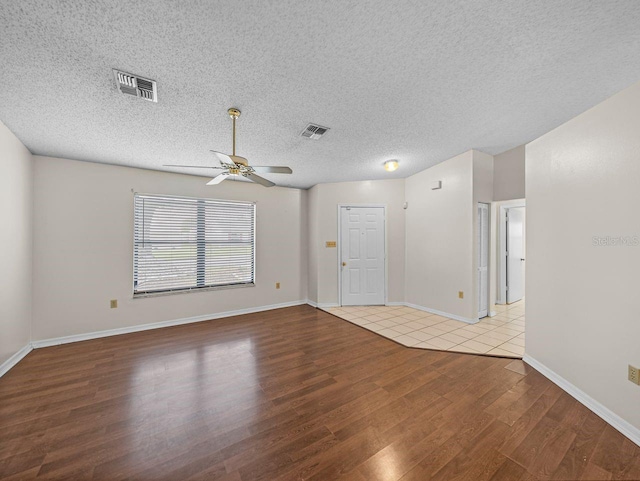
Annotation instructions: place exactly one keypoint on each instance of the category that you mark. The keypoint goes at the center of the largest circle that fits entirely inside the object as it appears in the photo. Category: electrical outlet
(277, 285)
(114, 303)
(461, 294)
(634, 376)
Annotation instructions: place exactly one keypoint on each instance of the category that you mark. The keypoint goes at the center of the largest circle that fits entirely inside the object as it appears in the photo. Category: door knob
(344, 264)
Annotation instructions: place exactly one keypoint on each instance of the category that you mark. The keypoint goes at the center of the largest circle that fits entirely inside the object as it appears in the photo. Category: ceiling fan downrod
(234, 114)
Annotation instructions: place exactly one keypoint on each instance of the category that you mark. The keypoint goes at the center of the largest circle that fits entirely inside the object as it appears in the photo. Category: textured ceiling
(420, 81)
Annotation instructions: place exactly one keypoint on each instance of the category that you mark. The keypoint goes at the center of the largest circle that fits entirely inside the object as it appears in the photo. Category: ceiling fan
(235, 165)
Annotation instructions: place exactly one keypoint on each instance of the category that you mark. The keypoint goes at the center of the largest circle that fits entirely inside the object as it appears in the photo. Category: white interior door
(483, 260)
(515, 253)
(362, 255)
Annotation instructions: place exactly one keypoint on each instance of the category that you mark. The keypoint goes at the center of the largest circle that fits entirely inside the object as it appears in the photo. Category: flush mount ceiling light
(390, 165)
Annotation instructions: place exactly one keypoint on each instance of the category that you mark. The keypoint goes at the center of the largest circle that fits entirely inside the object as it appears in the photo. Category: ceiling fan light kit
(239, 166)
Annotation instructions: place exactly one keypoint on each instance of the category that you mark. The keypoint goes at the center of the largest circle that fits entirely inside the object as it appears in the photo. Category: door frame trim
(339, 246)
(488, 206)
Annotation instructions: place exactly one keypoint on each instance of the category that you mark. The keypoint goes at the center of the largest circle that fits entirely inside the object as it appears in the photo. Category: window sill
(190, 291)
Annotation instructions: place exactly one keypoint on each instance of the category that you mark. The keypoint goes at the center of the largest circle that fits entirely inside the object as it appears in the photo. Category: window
(186, 244)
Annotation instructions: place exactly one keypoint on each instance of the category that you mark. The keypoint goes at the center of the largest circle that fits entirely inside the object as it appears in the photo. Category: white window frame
(182, 290)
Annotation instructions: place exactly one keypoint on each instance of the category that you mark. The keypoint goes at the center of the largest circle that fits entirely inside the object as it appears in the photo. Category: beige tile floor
(501, 335)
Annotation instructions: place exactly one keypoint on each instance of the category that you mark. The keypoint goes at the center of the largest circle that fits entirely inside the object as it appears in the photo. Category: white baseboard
(325, 305)
(630, 431)
(157, 325)
(442, 313)
(15, 359)
(414, 306)
(492, 313)
(322, 305)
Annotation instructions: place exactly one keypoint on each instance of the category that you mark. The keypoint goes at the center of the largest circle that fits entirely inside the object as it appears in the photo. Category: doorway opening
(508, 253)
(513, 254)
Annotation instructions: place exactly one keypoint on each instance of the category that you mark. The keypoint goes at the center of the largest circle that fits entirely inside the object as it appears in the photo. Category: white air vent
(314, 132)
(137, 86)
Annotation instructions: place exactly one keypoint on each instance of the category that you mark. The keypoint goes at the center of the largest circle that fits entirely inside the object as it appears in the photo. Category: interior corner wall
(313, 243)
(439, 238)
(483, 174)
(509, 174)
(16, 235)
(304, 245)
(83, 248)
(323, 201)
(583, 252)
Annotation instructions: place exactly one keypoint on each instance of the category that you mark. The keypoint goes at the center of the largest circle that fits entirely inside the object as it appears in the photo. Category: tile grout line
(389, 318)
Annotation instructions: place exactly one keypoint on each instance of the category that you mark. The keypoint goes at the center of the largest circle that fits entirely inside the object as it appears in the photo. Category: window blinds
(183, 243)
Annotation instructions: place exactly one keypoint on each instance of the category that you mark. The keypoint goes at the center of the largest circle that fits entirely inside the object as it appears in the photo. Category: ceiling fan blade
(259, 180)
(218, 178)
(267, 169)
(223, 158)
(194, 166)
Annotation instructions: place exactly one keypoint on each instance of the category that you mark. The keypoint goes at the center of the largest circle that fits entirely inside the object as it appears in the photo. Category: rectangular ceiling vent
(314, 132)
(137, 86)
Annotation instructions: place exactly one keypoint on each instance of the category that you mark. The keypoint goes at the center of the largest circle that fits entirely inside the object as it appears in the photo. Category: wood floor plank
(508, 471)
(292, 394)
(579, 454)
(615, 454)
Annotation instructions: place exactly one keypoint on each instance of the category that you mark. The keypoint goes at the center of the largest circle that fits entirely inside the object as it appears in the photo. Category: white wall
(509, 174)
(583, 180)
(324, 200)
(439, 238)
(83, 247)
(16, 212)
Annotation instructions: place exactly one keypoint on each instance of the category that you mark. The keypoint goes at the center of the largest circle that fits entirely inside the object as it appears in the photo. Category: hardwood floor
(292, 394)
